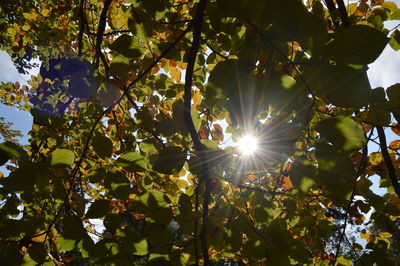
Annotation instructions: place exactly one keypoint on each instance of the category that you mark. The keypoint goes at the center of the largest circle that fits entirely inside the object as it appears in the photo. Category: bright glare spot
(248, 145)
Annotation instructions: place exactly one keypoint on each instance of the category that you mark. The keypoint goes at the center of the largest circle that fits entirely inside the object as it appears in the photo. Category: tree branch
(332, 8)
(197, 21)
(100, 31)
(82, 22)
(388, 160)
(343, 13)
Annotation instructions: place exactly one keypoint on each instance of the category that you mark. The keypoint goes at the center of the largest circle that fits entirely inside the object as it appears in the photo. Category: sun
(248, 145)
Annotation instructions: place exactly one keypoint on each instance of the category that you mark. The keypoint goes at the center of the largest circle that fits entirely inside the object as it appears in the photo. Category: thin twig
(111, 33)
(175, 22)
(361, 169)
(215, 51)
(245, 206)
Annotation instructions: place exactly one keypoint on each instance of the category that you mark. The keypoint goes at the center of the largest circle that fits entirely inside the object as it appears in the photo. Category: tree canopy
(130, 159)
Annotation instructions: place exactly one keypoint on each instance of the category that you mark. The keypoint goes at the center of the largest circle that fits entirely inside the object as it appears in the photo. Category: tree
(127, 112)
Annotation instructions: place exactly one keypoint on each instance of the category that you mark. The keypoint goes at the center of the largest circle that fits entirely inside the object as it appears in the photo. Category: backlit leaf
(375, 158)
(170, 160)
(342, 132)
(62, 157)
(98, 209)
(127, 46)
(9, 150)
(132, 162)
(357, 44)
(102, 146)
(395, 145)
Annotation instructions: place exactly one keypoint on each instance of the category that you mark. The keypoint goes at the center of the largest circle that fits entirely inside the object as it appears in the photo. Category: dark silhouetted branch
(388, 160)
(197, 21)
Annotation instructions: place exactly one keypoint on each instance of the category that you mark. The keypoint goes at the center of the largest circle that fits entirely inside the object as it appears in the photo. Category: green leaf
(312, 34)
(179, 118)
(153, 199)
(64, 244)
(132, 162)
(72, 227)
(102, 146)
(395, 40)
(357, 44)
(112, 222)
(127, 46)
(303, 174)
(118, 185)
(71, 234)
(170, 160)
(166, 127)
(120, 66)
(78, 204)
(342, 132)
(140, 247)
(154, 204)
(393, 93)
(74, 66)
(148, 146)
(144, 119)
(337, 82)
(10, 150)
(378, 116)
(336, 170)
(98, 209)
(37, 252)
(86, 246)
(83, 86)
(62, 157)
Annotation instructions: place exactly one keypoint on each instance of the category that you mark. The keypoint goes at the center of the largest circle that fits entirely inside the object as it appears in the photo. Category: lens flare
(248, 144)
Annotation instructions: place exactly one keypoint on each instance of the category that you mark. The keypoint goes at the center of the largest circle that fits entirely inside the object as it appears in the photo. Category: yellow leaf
(132, 196)
(45, 12)
(40, 237)
(375, 158)
(176, 74)
(26, 27)
(385, 234)
(197, 98)
(11, 31)
(182, 184)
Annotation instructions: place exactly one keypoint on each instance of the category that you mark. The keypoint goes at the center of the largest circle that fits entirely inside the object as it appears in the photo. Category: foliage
(127, 112)
(6, 132)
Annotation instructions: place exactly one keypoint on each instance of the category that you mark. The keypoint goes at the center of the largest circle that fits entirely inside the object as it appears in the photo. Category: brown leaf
(203, 133)
(377, 2)
(251, 177)
(217, 133)
(395, 130)
(172, 63)
(287, 183)
(395, 145)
